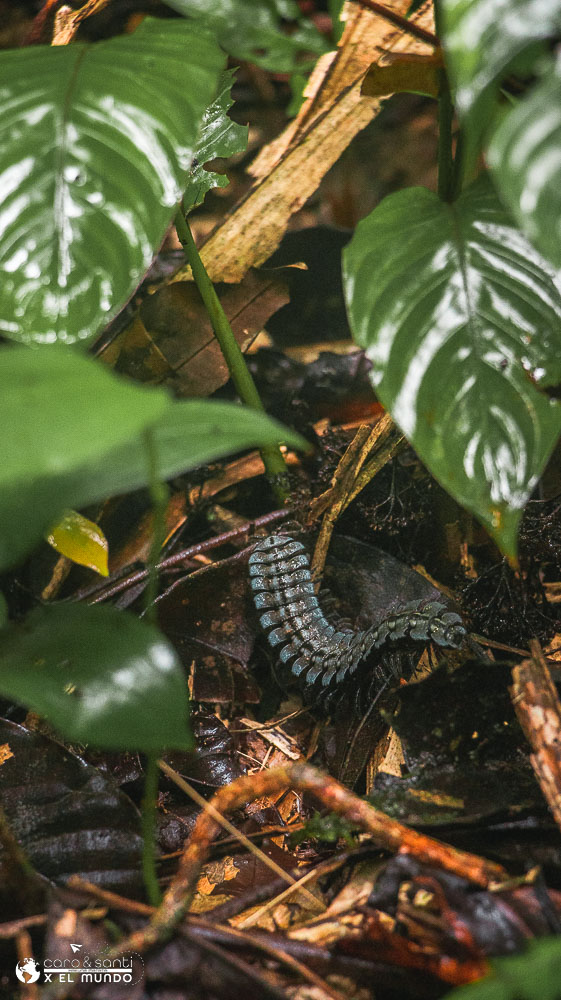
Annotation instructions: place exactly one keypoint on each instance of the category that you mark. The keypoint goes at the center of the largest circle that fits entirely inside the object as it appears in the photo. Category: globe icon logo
(27, 971)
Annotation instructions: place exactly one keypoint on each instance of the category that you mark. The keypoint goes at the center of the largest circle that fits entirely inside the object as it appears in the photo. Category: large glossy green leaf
(461, 319)
(525, 155)
(218, 136)
(484, 40)
(60, 412)
(254, 32)
(97, 145)
(73, 434)
(99, 676)
(193, 433)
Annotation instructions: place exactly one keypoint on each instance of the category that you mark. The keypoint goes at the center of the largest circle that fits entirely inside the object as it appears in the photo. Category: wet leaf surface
(483, 41)
(71, 448)
(75, 414)
(526, 161)
(461, 321)
(69, 818)
(98, 676)
(72, 113)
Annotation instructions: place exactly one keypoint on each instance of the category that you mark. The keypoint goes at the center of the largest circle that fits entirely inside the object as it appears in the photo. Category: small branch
(273, 461)
(538, 709)
(237, 834)
(409, 27)
(103, 592)
(195, 927)
(387, 833)
(12, 928)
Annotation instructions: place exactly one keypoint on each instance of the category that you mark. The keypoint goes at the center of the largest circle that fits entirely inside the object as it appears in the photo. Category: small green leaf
(525, 155)
(73, 434)
(534, 975)
(485, 40)
(218, 136)
(80, 540)
(254, 32)
(99, 676)
(461, 319)
(97, 145)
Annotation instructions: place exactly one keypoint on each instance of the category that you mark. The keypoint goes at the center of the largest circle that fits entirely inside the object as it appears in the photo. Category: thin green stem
(149, 830)
(159, 493)
(447, 175)
(445, 157)
(273, 461)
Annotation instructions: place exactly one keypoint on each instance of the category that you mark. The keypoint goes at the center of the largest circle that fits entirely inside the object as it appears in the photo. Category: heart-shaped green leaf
(74, 434)
(484, 40)
(525, 155)
(461, 319)
(99, 676)
(97, 145)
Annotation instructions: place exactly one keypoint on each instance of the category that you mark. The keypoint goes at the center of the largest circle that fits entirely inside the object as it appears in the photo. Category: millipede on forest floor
(319, 655)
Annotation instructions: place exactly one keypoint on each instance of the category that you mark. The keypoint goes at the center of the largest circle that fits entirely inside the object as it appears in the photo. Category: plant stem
(149, 829)
(273, 461)
(445, 158)
(159, 493)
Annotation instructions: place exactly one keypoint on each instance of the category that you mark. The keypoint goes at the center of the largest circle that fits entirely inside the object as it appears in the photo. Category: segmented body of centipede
(315, 652)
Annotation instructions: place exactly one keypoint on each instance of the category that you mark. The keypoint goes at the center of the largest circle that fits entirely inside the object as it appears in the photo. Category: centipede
(321, 657)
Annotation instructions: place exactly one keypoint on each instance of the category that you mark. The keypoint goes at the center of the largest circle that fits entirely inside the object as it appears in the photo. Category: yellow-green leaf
(80, 540)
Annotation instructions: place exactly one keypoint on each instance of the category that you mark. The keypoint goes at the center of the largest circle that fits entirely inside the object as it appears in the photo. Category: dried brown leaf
(291, 168)
(171, 340)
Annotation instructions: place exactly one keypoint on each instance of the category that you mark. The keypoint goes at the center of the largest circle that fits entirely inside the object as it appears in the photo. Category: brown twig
(409, 27)
(36, 34)
(387, 832)
(14, 927)
(538, 709)
(194, 927)
(106, 591)
(239, 836)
